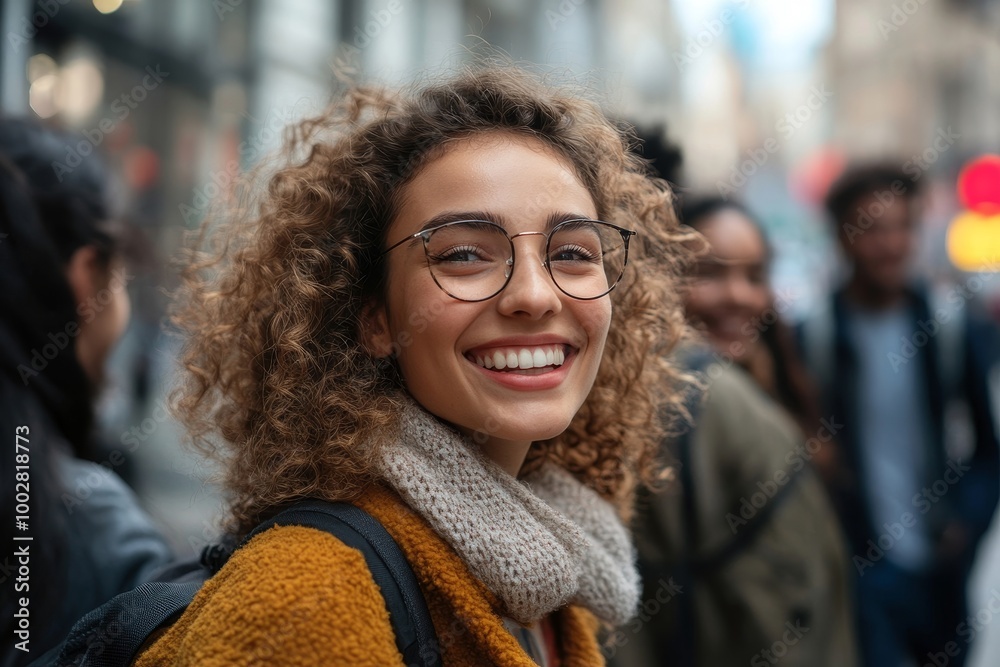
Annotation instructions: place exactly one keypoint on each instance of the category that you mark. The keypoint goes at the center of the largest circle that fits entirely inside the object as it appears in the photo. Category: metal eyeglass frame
(425, 235)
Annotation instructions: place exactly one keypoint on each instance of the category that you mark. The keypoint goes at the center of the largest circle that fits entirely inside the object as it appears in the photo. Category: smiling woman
(525, 319)
(453, 313)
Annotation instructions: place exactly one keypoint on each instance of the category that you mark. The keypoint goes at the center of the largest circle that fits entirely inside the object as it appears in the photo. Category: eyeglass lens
(472, 260)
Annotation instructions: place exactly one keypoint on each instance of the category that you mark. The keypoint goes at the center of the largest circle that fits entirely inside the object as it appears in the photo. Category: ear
(375, 334)
(84, 273)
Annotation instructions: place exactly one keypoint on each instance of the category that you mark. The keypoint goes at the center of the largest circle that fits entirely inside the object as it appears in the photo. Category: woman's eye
(708, 270)
(757, 276)
(574, 253)
(460, 254)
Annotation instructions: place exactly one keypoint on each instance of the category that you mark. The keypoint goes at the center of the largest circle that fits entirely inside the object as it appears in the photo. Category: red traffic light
(979, 185)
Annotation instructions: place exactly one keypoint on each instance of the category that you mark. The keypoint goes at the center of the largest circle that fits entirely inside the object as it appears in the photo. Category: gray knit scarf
(537, 543)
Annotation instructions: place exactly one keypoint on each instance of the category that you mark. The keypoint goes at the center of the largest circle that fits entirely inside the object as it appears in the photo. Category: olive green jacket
(785, 594)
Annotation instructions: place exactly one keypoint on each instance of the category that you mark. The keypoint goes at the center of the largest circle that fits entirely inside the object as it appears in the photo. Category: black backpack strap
(692, 566)
(683, 646)
(411, 621)
(723, 555)
(111, 635)
(698, 361)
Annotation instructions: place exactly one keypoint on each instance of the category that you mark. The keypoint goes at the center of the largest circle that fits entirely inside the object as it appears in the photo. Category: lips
(519, 357)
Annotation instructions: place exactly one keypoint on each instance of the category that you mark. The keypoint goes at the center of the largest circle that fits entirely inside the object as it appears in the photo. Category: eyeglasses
(473, 260)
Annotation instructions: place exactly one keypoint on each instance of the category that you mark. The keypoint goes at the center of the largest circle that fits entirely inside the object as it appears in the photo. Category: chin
(894, 285)
(731, 348)
(525, 428)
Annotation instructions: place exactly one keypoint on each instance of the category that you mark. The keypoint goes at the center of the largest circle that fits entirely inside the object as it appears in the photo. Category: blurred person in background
(64, 306)
(744, 563)
(906, 373)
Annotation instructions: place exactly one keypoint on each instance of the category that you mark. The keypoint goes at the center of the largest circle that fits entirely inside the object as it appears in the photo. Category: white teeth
(524, 358)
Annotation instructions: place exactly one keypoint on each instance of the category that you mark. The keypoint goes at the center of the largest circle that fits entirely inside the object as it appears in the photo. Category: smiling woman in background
(446, 313)
(749, 536)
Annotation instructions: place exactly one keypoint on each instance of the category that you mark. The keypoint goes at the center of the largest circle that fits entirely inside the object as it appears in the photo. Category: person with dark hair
(906, 373)
(665, 158)
(748, 538)
(757, 337)
(64, 306)
(443, 313)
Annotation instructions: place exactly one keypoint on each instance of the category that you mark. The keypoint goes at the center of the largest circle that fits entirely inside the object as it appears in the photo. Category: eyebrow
(722, 261)
(455, 216)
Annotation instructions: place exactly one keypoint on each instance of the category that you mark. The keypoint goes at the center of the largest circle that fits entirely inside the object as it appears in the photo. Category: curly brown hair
(279, 385)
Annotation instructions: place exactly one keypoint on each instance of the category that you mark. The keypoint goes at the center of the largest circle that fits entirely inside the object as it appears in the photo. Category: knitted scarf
(537, 543)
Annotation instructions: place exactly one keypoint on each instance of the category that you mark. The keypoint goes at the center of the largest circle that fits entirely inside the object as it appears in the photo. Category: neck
(760, 365)
(508, 454)
(871, 297)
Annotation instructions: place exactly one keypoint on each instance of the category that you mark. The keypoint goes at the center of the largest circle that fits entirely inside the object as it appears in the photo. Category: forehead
(733, 238)
(882, 209)
(518, 178)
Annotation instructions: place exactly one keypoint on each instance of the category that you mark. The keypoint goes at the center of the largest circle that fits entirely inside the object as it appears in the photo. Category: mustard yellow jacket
(298, 596)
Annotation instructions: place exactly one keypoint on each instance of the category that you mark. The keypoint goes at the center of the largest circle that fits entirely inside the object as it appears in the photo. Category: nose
(738, 292)
(530, 293)
(897, 243)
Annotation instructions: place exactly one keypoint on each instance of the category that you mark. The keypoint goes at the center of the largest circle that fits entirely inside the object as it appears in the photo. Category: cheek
(869, 246)
(410, 311)
(905, 243)
(595, 318)
(424, 324)
(700, 298)
(113, 319)
(123, 312)
(761, 300)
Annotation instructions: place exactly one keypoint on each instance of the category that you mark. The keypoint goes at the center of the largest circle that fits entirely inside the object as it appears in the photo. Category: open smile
(520, 358)
(527, 367)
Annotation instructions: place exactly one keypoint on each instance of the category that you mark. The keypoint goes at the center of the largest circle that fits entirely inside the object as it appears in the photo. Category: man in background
(906, 373)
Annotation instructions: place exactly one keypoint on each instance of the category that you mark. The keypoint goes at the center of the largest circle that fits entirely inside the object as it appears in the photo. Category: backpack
(157, 604)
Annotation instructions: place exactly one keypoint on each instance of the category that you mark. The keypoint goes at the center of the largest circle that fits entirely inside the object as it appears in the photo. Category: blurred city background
(767, 99)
